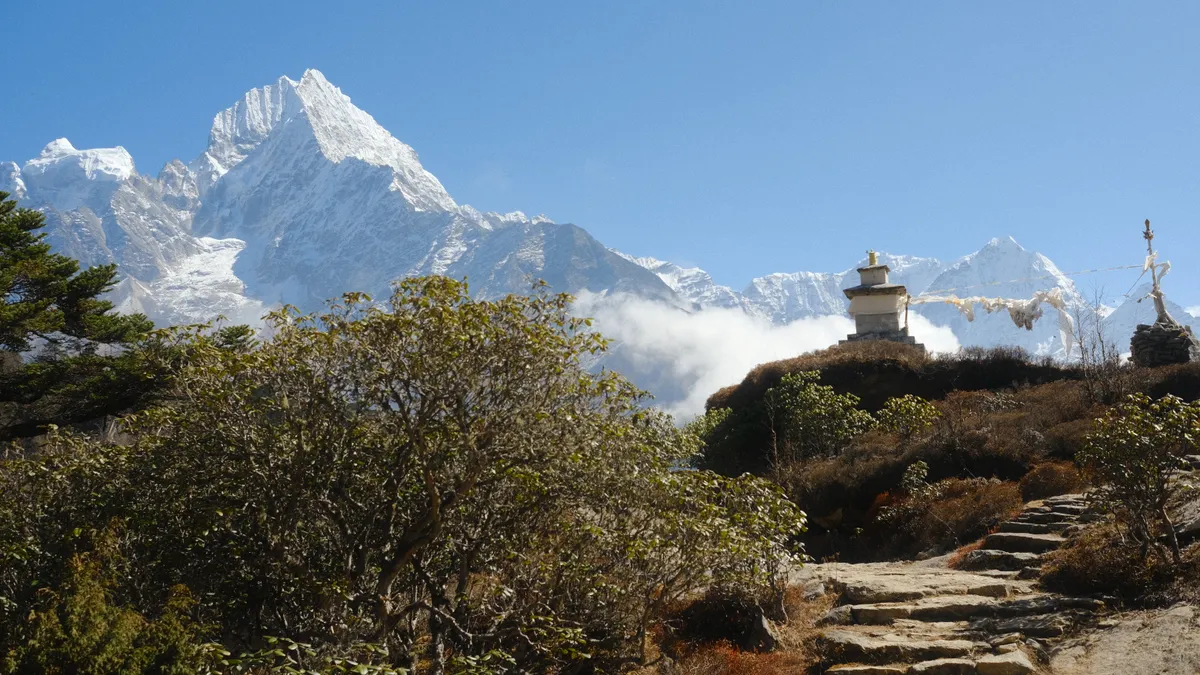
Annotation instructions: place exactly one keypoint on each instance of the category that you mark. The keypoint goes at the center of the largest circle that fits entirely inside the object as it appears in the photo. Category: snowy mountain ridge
(301, 196)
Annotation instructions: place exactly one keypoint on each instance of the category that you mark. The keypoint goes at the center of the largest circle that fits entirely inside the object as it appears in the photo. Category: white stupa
(879, 308)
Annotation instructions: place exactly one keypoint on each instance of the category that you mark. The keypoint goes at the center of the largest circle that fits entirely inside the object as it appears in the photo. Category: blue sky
(746, 138)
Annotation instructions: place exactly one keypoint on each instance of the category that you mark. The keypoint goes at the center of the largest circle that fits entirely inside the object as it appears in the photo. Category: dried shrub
(1100, 560)
(1049, 479)
(718, 617)
(723, 659)
(968, 509)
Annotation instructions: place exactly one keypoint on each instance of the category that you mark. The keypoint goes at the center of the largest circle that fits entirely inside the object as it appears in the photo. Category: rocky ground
(986, 617)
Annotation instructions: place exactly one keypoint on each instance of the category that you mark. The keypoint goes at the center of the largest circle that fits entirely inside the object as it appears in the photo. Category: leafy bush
(77, 628)
(796, 420)
(1134, 457)
(907, 415)
(1049, 479)
(438, 477)
(807, 419)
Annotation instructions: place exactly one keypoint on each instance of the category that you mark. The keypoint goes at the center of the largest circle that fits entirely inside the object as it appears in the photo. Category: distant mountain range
(301, 196)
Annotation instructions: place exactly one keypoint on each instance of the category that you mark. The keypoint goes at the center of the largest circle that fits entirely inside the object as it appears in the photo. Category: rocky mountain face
(301, 196)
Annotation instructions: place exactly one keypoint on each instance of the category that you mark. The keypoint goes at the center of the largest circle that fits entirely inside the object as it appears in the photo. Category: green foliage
(1135, 455)
(43, 294)
(807, 419)
(77, 628)
(436, 477)
(907, 415)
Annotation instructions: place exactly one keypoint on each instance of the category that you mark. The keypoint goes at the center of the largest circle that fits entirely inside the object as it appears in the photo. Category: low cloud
(682, 357)
(1194, 310)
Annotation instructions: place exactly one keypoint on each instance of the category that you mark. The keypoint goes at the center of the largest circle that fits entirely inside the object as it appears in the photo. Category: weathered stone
(1004, 649)
(838, 616)
(944, 667)
(1007, 639)
(869, 583)
(1162, 344)
(1025, 543)
(761, 636)
(1045, 604)
(1043, 625)
(988, 558)
(1042, 517)
(845, 645)
(864, 669)
(1032, 528)
(944, 608)
(1011, 663)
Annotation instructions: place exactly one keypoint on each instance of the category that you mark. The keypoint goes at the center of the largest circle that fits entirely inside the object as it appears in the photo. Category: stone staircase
(986, 617)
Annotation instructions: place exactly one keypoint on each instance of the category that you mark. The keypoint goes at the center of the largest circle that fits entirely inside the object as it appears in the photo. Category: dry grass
(1100, 561)
(877, 371)
(795, 655)
(1049, 479)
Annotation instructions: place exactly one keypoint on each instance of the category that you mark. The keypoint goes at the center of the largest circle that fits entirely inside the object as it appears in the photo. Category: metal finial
(872, 257)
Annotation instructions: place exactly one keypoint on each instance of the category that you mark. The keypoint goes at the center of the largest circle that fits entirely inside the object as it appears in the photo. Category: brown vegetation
(876, 371)
(1049, 479)
(1101, 561)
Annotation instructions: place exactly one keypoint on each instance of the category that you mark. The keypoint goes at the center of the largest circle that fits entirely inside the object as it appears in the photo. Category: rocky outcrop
(1163, 344)
(988, 617)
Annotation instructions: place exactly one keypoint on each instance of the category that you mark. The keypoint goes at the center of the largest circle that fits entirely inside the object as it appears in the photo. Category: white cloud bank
(683, 357)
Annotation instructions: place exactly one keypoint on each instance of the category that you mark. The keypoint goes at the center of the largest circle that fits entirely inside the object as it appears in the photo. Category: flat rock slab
(870, 583)
(1012, 663)
(944, 667)
(1135, 643)
(847, 645)
(940, 608)
(1018, 542)
(990, 558)
(1043, 517)
(1038, 626)
(1032, 528)
(863, 669)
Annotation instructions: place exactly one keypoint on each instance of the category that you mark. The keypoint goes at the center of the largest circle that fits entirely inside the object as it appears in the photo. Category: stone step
(865, 669)
(990, 558)
(1069, 508)
(1045, 604)
(1011, 663)
(867, 583)
(851, 645)
(944, 667)
(952, 608)
(1044, 517)
(944, 608)
(1036, 626)
(1073, 498)
(1032, 528)
(1018, 542)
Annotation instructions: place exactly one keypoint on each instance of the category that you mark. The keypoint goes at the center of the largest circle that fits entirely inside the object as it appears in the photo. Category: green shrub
(907, 415)
(1134, 456)
(78, 628)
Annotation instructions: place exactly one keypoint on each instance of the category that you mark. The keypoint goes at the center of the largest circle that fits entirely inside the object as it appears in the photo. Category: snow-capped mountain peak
(340, 130)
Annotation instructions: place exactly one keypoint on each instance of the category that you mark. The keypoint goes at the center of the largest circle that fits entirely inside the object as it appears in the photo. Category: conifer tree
(45, 295)
(49, 305)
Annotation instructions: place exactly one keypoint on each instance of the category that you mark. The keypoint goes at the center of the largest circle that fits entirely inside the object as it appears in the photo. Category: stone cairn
(1162, 344)
(1166, 341)
(877, 305)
